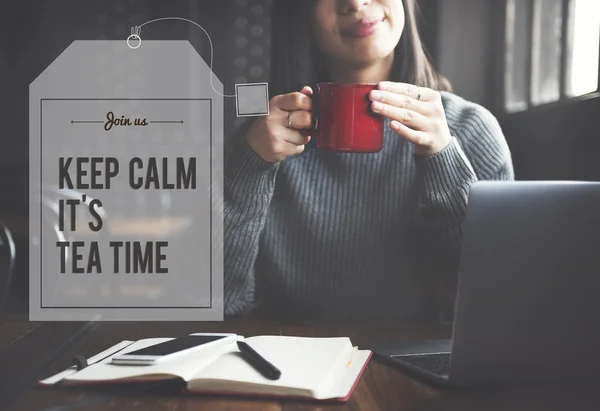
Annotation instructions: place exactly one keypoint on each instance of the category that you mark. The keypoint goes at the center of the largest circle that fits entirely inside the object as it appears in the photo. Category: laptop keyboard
(438, 364)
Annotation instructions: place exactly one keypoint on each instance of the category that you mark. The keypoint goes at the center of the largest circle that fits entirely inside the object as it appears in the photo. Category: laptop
(528, 302)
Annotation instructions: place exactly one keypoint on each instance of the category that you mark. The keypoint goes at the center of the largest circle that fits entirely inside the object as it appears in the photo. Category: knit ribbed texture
(340, 235)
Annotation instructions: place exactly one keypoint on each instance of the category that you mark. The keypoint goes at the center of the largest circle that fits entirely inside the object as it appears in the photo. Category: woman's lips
(363, 27)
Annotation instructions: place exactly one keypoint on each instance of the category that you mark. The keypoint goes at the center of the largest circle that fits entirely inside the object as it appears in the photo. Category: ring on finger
(419, 94)
(289, 119)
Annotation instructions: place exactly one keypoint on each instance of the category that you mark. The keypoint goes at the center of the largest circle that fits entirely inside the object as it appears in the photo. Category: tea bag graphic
(136, 129)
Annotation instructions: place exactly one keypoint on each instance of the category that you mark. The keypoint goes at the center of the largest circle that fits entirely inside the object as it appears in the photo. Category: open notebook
(317, 368)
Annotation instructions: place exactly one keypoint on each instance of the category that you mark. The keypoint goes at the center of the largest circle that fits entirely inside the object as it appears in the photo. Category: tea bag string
(136, 30)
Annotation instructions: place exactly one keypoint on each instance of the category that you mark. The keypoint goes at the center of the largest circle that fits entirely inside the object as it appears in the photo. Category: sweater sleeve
(249, 183)
(478, 151)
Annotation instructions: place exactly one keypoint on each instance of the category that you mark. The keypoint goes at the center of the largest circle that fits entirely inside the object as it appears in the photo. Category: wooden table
(47, 348)
(13, 328)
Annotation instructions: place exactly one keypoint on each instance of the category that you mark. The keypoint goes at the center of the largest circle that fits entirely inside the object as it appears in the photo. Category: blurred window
(552, 51)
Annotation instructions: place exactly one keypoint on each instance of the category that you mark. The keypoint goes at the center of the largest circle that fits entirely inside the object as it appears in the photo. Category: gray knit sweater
(350, 236)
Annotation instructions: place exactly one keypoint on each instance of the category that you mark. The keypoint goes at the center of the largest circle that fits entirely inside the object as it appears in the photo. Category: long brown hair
(296, 61)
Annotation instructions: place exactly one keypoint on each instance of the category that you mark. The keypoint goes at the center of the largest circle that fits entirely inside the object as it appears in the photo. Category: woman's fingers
(409, 90)
(407, 117)
(400, 101)
(284, 132)
(295, 138)
(298, 120)
(417, 114)
(306, 91)
(286, 126)
(293, 101)
(414, 136)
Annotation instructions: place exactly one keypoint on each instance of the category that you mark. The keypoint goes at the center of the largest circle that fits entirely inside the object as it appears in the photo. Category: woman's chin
(368, 58)
(368, 52)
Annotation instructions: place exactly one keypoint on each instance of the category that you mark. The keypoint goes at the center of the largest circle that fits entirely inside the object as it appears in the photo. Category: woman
(316, 233)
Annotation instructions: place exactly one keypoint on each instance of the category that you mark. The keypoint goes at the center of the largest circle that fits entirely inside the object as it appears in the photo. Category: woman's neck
(371, 73)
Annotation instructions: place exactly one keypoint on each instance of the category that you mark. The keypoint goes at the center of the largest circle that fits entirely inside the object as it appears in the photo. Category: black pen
(258, 362)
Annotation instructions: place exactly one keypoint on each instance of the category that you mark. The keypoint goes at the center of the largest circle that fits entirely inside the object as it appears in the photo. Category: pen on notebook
(255, 359)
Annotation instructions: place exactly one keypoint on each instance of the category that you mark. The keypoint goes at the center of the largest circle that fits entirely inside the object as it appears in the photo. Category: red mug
(344, 119)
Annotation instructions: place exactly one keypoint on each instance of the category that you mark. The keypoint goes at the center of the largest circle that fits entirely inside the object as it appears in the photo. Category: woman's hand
(278, 135)
(416, 114)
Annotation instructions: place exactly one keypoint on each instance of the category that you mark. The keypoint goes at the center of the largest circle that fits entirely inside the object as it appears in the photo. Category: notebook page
(346, 378)
(184, 366)
(304, 362)
(331, 381)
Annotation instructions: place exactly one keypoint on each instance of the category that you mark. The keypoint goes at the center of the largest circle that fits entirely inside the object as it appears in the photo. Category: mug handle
(312, 131)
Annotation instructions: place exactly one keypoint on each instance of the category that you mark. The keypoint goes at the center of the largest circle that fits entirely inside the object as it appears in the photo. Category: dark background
(555, 142)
